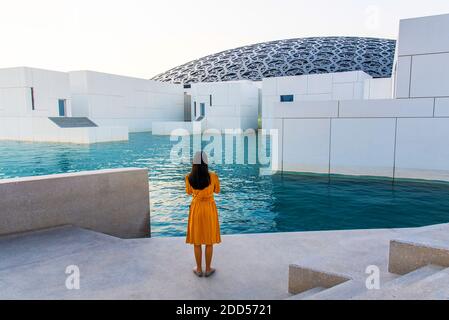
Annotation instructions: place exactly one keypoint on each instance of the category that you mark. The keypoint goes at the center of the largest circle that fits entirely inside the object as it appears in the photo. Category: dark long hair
(199, 177)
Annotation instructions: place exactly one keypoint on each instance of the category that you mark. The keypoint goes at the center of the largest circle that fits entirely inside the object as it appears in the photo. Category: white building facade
(226, 105)
(113, 100)
(33, 105)
(292, 94)
(232, 105)
(404, 137)
(28, 92)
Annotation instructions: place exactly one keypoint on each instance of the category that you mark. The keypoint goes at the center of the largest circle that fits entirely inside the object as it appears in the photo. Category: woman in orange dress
(203, 227)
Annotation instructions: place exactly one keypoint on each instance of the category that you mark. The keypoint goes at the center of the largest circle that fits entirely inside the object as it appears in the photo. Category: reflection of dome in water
(289, 58)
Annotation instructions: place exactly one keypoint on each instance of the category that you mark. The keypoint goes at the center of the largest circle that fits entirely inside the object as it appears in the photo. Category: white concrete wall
(397, 138)
(113, 100)
(235, 104)
(379, 88)
(362, 146)
(178, 127)
(40, 129)
(423, 58)
(402, 138)
(317, 87)
(18, 120)
(48, 86)
(115, 202)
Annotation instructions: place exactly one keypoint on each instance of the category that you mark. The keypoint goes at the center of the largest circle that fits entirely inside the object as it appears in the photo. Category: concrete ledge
(303, 109)
(42, 129)
(387, 108)
(407, 256)
(301, 279)
(114, 202)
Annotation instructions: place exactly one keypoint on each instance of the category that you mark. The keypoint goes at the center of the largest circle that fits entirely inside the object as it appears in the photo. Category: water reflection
(249, 202)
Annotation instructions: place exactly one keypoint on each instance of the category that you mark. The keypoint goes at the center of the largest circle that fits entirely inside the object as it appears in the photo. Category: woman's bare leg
(198, 255)
(209, 252)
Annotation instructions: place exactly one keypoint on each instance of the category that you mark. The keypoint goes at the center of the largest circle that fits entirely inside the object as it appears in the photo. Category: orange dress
(203, 226)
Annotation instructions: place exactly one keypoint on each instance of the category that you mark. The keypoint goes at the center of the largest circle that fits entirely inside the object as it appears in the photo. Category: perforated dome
(289, 57)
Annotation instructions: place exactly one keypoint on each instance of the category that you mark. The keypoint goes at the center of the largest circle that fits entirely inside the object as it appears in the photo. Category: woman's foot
(197, 273)
(210, 272)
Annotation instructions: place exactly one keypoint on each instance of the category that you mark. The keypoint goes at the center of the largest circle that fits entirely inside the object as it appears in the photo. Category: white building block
(380, 88)
(113, 100)
(362, 146)
(314, 97)
(276, 126)
(10, 128)
(358, 90)
(306, 145)
(402, 77)
(271, 123)
(25, 125)
(15, 102)
(223, 123)
(307, 109)
(18, 119)
(48, 88)
(430, 75)
(441, 107)
(268, 105)
(119, 134)
(338, 86)
(343, 91)
(387, 108)
(296, 85)
(362, 76)
(319, 83)
(422, 149)
(235, 104)
(345, 77)
(423, 35)
(269, 86)
(14, 78)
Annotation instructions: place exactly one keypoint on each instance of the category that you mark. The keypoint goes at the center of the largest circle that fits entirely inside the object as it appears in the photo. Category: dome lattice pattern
(289, 58)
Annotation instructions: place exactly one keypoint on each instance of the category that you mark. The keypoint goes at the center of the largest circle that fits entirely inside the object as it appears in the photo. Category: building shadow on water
(319, 202)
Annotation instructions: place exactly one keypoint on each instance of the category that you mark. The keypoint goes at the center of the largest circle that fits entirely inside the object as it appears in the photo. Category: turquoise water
(249, 203)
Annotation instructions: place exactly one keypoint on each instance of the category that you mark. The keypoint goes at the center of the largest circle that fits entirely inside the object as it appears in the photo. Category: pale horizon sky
(143, 38)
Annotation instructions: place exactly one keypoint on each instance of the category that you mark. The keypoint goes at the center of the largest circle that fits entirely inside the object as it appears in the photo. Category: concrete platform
(32, 265)
(410, 253)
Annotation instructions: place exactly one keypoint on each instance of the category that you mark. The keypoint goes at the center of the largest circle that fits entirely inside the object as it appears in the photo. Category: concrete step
(434, 286)
(306, 294)
(47, 244)
(412, 252)
(302, 278)
(343, 291)
(108, 268)
(394, 287)
(73, 122)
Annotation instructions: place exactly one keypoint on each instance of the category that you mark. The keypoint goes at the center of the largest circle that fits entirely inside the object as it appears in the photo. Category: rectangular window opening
(202, 109)
(62, 107)
(287, 98)
(210, 102)
(32, 99)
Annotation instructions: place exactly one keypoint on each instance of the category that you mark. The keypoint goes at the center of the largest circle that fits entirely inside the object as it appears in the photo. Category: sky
(142, 38)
